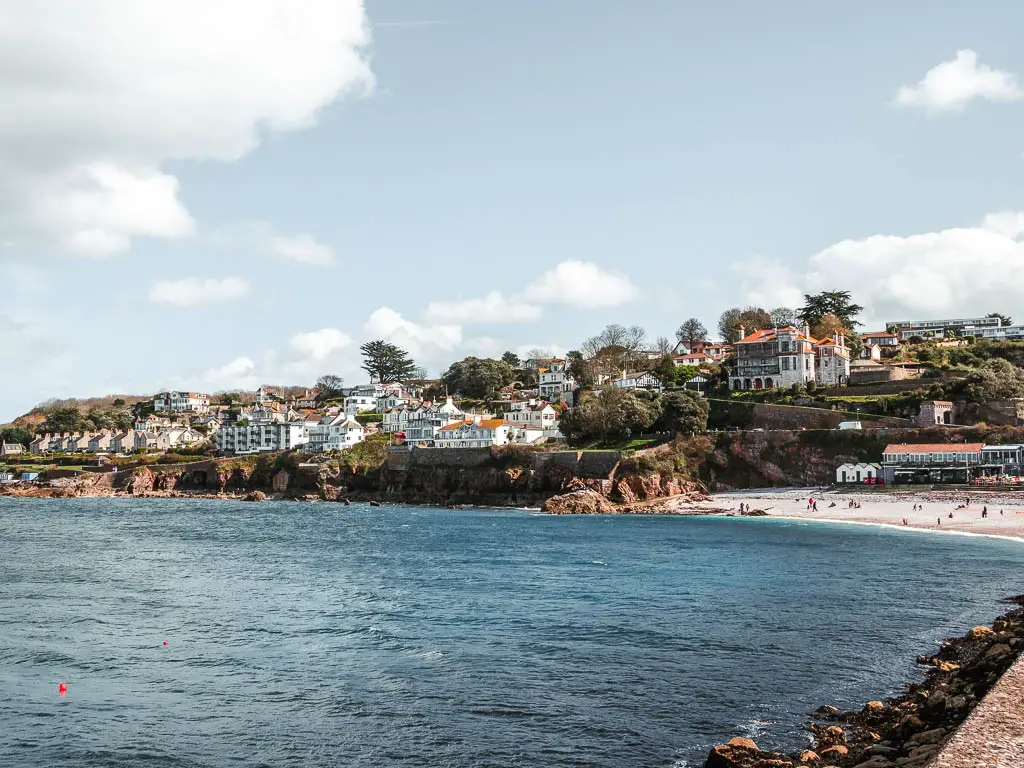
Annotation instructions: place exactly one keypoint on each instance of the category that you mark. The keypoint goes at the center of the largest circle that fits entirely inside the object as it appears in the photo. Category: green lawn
(633, 444)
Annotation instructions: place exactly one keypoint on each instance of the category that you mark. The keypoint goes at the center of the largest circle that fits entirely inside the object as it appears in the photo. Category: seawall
(994, 733)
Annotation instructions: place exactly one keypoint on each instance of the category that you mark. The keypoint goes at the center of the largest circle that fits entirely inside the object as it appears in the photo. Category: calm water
(324, 635)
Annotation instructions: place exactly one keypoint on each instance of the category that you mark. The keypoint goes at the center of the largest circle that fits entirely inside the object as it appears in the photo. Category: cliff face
(478, 478)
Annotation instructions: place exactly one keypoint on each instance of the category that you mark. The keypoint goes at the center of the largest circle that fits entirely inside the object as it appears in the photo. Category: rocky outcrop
(907, 731)
(584, 502)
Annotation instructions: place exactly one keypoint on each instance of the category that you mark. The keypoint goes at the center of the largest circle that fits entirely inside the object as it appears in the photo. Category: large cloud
(957, 272)
(492, 308)
(582, 284)
(952, 84)
(192, 291)
(107, 91)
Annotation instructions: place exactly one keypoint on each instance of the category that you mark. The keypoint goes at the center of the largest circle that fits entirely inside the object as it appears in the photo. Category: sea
(207, 633)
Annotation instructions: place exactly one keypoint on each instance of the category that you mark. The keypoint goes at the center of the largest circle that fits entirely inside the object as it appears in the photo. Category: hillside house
(334, 433)
(645, 380)
(782, 357)
(99, 442)
(355, 404)
(556, 384)
(888, 343)
(694, 359)
(11, 449)
(859, 473)
(123, 442)
(472, 434)
(181, 402)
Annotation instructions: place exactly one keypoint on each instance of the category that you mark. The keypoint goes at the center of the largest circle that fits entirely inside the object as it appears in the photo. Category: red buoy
(62, 688)
(165, 642)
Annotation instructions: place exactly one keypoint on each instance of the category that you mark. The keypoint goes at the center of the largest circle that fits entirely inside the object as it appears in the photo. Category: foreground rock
(584, 502)
(907, 731)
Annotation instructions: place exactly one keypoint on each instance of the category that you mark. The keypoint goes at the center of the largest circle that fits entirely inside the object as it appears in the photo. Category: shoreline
(947, 717)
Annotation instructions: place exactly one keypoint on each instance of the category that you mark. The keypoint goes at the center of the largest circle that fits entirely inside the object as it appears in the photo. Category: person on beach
(938, 521)
(815, 506)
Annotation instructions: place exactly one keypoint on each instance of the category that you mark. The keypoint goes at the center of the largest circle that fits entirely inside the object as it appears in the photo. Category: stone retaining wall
(993, 735)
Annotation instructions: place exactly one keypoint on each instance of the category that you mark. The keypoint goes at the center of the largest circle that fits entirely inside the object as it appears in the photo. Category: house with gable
(99, 442)
(334, 433)
(556, 383)
(11, 449)
(474, 434)
(644, 380)
(41, 444)
(781, 357)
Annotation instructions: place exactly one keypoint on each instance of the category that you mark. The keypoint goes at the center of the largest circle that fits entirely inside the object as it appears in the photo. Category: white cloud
(956, 272)
(319, 345)
(386, 323)
(492, 308)
(582, 284)
(240, 373)
(192, 291)
(107, 92)
(951, 85)
(303, 248)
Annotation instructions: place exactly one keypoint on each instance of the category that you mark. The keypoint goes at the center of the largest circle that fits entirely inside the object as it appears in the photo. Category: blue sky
(210, 206)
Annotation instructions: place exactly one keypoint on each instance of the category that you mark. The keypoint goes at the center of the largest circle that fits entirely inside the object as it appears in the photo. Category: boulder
(739, 741)
(933, 736)
(808, 756)
(838, 752)
(874, 706)
(255, 496)
(584, 502)
(981, 633)
(999, 649)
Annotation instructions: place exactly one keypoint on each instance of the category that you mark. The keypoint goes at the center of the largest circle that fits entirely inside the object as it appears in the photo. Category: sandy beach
(887, 507)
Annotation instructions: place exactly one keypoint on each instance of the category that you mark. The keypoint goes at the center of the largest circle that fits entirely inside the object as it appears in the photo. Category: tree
(683, 411)
(580, 369)
(118, 402)
(828, 326)
(665, 369)
(612, 415)
(385, 362)
(17, 435)
(837, 303)
(1004, 320)
(613, 348)
(67, 419)
(750, 319)
(995, 379)
(512, 360)
(783, 317)
(691, 333)
(664, 345)
(329, 387)
(477, 378)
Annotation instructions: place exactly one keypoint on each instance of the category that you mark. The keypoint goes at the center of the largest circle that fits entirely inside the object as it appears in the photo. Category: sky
(213, 195)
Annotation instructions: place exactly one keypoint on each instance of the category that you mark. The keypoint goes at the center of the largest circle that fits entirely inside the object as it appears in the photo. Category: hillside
(38, 414)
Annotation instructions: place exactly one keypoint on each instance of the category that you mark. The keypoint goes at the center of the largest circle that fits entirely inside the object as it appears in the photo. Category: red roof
(934, 448)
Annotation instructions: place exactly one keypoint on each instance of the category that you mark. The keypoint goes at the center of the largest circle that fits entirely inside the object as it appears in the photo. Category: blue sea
(306, 634)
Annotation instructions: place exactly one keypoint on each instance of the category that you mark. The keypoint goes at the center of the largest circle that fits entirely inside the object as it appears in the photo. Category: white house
(334, 433)
(858, 473)
(77, 443)
(181, 402)
(645, 380)
(694, 359)
(556, 383)
(423, 422)
(40, 445)
(472, 434)
(531, 414)
(259, 436)
(392, 399)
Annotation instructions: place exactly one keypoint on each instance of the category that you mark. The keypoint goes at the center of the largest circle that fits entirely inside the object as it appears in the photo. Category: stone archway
(758, 384)
(768, 383)
(746, 384)
(737, 384)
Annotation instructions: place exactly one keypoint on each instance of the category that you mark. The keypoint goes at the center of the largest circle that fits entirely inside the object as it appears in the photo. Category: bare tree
(664, 345)
(692, 332)
(783, 317)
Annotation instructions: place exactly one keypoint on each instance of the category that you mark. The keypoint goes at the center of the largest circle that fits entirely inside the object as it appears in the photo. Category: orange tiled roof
(934, 448)
(491, 423)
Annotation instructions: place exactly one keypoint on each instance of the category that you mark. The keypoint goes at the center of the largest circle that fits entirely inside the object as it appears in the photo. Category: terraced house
(782, 357)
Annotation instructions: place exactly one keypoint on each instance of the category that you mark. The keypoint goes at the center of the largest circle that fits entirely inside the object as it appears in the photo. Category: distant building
(859, 473)
(556, 383)
(472, 434)
(888, 344)
(934, 412)
(782, 357)
(932, 462)
(979, 327)
(181, 402)
(334, 433)
(645, 380)
(11, 449)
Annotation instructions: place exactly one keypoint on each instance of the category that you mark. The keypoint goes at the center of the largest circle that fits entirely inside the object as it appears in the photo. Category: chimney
(807, 329)
(743, 332)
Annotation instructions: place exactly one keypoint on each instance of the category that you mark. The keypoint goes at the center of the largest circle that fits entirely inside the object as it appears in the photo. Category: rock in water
(585, 502)
(255, 496)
